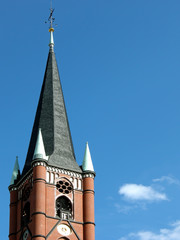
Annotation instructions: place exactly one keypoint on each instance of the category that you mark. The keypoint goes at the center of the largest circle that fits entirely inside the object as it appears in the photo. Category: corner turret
(16, 172)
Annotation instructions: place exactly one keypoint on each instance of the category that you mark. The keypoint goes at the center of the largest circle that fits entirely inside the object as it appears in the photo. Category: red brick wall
(43, 219)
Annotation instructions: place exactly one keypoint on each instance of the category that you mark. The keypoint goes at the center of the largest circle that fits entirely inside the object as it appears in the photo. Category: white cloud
(140, 192)
(168, 179)
(172, 233)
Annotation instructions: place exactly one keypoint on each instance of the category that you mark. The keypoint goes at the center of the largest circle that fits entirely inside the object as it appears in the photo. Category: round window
(63, 186)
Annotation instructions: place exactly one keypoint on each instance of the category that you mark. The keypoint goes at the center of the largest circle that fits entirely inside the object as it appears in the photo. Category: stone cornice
(48, 168)
(20, 184)
(89, 175)
(63, 171)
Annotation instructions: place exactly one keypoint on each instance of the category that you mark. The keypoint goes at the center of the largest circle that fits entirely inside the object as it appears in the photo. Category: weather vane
(51, 19)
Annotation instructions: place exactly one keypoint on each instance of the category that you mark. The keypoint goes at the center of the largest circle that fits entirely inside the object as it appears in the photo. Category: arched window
(25, 218)
(63, 207)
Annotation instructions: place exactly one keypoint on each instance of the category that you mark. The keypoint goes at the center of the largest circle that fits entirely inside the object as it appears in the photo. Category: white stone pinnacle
(87, 162)
(39, 152)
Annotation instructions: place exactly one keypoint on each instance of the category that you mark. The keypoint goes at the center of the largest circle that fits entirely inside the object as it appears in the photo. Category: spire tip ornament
(51, 20)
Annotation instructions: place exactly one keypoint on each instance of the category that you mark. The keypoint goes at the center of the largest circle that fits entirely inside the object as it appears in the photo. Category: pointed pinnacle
(39, 152)
(16, 172)
(87, 162)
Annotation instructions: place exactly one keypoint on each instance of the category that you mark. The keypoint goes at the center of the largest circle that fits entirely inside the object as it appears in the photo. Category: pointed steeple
(16, 172)
(87, 162)
(39, 152)
(51, 117)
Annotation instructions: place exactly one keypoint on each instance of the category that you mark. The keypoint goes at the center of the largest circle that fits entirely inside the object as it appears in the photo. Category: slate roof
(51, 117)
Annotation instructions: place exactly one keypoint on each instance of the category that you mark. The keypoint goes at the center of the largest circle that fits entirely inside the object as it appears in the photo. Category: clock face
(64, 229)
(25, 235)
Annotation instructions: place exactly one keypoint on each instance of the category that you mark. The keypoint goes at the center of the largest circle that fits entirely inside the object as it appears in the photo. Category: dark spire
(52, 119)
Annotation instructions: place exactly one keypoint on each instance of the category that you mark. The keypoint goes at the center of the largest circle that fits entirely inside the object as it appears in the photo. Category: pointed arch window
(63, 207)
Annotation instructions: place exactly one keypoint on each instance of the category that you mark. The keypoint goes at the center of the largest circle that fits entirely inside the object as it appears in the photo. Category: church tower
(53, 197)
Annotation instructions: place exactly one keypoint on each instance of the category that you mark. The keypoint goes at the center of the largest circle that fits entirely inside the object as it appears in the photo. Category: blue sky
(119, 62)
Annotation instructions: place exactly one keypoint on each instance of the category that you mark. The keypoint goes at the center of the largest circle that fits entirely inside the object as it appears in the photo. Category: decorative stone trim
(62, 171)
(25, 180)
(54, 169)
(13, 189)
(39, 164)
(22, 183)
(89, 190)
(88, 175)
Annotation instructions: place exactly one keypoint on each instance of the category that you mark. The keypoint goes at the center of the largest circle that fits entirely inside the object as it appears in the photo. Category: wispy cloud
(172, 233)
(124, 208)
(168, 179)
(135, 192)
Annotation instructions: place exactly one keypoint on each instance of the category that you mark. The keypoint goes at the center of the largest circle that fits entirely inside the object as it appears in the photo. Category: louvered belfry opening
(63, 207)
